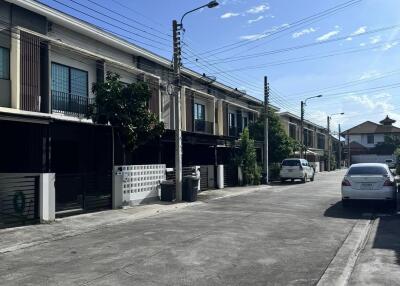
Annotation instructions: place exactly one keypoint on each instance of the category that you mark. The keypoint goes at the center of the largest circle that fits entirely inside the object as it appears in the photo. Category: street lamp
(303, 104)
(176, 28)
(329, 138)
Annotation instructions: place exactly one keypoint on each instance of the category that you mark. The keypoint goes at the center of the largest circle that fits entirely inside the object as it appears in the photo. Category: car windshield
(367, 170)
(291, 163)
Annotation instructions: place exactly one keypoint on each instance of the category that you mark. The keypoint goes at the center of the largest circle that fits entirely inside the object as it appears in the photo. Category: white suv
(292, 169)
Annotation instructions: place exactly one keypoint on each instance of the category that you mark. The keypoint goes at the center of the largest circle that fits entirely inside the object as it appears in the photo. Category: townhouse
(315, 138)
(48, 63)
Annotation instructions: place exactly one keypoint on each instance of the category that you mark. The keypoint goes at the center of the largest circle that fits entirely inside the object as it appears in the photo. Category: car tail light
(388, 183)
(346, 183)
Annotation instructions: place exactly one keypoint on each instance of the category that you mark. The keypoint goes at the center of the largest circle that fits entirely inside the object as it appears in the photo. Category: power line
(292, 25)
(115, 26)
(298, 47)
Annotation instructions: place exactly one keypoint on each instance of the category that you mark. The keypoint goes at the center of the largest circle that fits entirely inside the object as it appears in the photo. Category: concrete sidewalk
(22, 237)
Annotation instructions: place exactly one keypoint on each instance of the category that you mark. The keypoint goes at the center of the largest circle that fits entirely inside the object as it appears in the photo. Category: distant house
(365, 136)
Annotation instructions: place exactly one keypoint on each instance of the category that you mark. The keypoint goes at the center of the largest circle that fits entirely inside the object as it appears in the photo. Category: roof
(96, 32)
(369, 127)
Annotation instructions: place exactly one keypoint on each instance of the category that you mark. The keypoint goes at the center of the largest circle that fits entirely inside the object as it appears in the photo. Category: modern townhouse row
(48, 63)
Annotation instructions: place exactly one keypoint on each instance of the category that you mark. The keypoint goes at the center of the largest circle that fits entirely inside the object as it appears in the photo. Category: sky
(347, 51)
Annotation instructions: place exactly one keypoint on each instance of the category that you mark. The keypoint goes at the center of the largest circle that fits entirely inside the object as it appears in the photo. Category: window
(4, 63)
(291, 163)
(367, 170)
(370, 139)
(199, 112)
(292, 131)
(321, 141)
(69, 89)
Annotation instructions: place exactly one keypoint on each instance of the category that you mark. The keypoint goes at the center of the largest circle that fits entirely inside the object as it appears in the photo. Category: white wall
(370, 158)
(363, 139)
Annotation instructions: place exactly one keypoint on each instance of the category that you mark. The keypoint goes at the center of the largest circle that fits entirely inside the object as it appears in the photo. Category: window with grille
(292, 131)
(4, 63)
(69, 89)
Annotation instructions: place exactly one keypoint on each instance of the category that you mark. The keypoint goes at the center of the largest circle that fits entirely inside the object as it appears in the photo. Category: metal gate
(83, 191)
(203, 178)
(230, 176)
(19, 200)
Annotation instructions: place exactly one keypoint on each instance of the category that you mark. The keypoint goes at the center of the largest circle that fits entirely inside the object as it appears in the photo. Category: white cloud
(253, 37)
(349, 39)
(388, 46)
(258, 9)
(259, 18)
(263, 34)
(229, 15)
(362, 44)
(327, 36)
(370, 74)
(375, 39)
(359, 31)
(380, 102)
(303, 32)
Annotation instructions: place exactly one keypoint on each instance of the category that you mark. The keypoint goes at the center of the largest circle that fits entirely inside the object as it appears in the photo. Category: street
(287, 234)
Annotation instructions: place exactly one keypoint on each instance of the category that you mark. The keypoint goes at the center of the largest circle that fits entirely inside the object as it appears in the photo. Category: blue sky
(358, 75)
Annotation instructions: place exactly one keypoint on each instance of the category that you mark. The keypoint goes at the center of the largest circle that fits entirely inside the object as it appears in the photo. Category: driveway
(283, 235)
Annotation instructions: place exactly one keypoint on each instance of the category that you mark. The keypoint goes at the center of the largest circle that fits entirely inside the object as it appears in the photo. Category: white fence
(134, 184)
(371, 158)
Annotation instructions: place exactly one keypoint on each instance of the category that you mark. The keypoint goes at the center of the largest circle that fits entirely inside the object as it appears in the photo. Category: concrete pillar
(240, 176)
(221, 122)
(220, 176)
(117, 196)
(211, 182)
(47, 197)
(15, 67)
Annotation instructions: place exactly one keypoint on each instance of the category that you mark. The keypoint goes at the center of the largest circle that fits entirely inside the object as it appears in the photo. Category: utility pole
(329, 142)
(301, 129)
(348, 153)
(178, 126)
(266, 113)
(340, 151)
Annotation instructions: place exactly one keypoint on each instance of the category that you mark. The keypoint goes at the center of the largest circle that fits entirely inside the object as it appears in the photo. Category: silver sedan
(369, 181)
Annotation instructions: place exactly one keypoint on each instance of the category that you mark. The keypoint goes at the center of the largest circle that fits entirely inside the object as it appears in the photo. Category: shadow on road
(358, 210)
(387, 235)
(388, 229)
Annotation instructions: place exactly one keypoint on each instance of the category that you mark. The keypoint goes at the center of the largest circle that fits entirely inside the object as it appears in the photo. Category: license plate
(366, 186)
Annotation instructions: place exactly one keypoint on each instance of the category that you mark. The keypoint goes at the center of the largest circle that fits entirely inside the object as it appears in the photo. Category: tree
(247, 159)
(280, 145)
(388, 146)
(125, 107)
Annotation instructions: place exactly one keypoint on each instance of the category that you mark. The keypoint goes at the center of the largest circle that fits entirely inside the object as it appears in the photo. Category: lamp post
(329, 138)
(176, 28)
(303, 104)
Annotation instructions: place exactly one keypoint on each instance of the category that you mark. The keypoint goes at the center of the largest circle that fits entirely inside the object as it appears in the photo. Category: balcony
(233, 131)
(69, 104)
(202, 126)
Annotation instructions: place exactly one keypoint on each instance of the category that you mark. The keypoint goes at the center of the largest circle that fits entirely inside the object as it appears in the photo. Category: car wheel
(392, 205)
(304, 180)
(282, 181)
(312, 178)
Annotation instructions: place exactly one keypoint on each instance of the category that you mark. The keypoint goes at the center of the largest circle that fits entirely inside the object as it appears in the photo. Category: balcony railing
(203, 126)
(233, 131)
(69, 104)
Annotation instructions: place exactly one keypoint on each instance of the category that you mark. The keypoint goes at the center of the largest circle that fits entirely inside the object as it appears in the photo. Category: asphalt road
(284, 235)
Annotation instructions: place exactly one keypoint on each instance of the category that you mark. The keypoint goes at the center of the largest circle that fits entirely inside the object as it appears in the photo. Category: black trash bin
(190, 188)
(168, 193)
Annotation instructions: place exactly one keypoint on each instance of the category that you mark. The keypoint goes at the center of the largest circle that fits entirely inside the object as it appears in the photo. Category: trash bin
(168, 193)
(190, 188)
